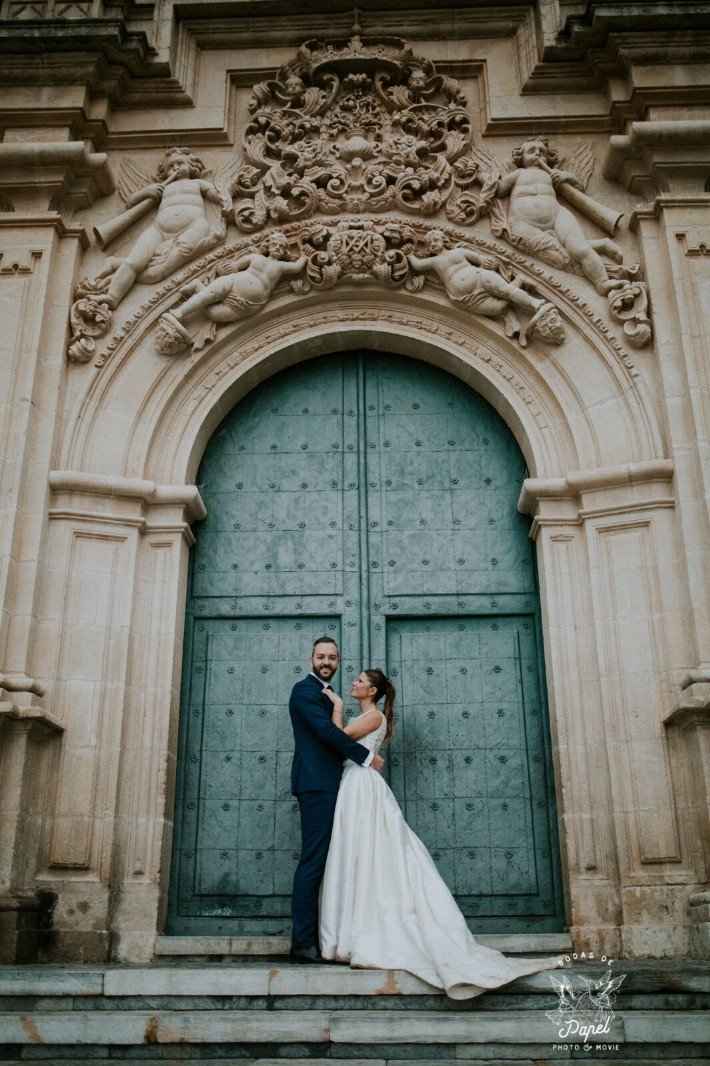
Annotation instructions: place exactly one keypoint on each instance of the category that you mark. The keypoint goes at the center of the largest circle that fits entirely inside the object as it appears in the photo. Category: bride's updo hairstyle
(384, 688)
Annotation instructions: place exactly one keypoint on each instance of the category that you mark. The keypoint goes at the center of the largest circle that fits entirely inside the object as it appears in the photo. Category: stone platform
(268, 1012)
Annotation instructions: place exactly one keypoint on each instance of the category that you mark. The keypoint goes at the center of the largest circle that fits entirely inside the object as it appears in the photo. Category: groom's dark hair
(323, 640)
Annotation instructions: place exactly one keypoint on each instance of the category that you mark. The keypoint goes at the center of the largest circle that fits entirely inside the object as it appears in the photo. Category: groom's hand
(377, 763)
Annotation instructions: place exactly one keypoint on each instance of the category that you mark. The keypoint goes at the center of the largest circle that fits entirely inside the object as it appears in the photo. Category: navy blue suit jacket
(320, 747)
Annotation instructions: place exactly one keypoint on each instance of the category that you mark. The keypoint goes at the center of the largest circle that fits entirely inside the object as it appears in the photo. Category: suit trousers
(317, 814)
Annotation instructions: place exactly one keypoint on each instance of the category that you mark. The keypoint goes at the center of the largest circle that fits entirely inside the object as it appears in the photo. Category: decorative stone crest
(358, 251)
(362, 125)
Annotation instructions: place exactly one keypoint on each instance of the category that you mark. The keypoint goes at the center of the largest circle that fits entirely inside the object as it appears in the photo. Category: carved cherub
(242, 288)
(537, 218)
(472, 280)
(290, 91)
(180, 230)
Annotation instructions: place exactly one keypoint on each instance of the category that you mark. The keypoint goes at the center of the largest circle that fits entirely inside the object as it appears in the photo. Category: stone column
(614, 582)
(691, 719)
(112, 609)
(668, 162)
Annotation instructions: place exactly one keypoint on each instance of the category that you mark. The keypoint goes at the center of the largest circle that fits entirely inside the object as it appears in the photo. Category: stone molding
(568, 492)
(159, 508)
(660, 156)
(37, 718)
(21, 683)
(61, 171)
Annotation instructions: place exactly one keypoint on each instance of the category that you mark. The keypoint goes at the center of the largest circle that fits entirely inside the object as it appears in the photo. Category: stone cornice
(35, 718)
(559, 501)
(653, 211)
(693, 707)
(615, 19)
(56, 170)
(669, 156)
(71, 482)
(68, 42)
(50, 219)
(118, 59)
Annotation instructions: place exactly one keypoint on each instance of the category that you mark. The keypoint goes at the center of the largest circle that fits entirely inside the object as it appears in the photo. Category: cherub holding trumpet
(535, 211)
(536, 220)
(180, 230)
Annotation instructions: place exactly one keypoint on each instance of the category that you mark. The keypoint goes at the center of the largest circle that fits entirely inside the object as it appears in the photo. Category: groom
(320, 748)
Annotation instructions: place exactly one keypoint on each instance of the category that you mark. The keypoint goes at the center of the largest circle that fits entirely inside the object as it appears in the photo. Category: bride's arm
(361, 727)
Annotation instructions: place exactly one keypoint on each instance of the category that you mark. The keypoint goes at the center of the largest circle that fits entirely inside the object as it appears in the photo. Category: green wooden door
(372, 498)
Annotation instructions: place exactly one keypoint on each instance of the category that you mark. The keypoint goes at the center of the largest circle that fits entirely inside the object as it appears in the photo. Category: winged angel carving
(535, 220)
(181, 229)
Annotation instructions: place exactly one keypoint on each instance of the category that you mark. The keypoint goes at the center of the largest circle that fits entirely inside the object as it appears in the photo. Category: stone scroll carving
(537, 221)
(362, 125)
(358, 252)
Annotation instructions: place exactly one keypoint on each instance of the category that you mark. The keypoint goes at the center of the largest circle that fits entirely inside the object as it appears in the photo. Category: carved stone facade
(192, 203)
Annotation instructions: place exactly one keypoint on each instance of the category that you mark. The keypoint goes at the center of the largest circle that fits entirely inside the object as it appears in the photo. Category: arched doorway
(372, 497)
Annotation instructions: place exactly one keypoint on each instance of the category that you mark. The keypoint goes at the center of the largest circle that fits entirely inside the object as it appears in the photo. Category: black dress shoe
(305, 954)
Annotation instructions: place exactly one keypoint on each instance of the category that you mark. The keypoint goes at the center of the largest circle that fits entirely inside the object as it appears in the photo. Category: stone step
(113, 1028)
(257, 979)
(272, 946)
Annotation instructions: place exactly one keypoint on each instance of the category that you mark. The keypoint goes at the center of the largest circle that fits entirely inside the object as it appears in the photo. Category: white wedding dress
(383, 903)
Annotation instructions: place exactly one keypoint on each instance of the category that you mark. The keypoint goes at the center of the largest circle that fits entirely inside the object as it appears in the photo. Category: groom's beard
(325, 673)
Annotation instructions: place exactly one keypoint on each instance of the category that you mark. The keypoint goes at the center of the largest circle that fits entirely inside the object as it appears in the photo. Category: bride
(383, 903)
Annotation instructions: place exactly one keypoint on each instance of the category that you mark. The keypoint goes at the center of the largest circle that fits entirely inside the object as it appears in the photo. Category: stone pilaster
(38, 258)
(617, 649)
(112, 607)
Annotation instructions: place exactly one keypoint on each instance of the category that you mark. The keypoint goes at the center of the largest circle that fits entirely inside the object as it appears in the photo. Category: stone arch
(577, 407)
(139, 430)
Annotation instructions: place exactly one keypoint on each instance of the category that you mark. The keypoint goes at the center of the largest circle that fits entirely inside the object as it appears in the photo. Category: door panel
(469, 750)
(372, 498)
